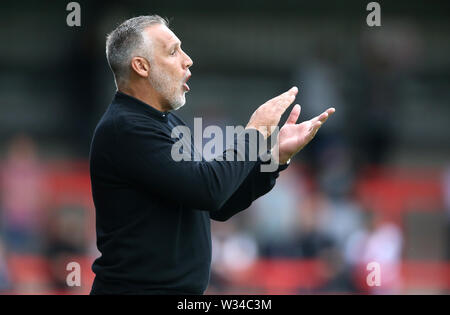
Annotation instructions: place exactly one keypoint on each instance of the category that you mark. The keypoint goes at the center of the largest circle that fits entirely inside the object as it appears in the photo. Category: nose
(187, 61)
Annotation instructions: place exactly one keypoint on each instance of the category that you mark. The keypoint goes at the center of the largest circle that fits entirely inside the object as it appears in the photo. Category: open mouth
(185, 85)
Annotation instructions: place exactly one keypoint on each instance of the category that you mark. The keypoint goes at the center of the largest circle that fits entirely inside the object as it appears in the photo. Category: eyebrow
(174, 45)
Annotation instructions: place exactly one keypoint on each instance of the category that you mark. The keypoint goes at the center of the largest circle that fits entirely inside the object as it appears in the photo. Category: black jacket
(152, 213)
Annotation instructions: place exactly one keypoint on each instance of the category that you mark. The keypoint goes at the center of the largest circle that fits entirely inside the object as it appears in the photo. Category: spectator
(382, 243)
(66, 240)
(21, 196)
(5, 283)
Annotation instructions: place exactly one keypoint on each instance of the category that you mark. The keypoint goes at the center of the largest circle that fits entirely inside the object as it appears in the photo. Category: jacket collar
(142, 107)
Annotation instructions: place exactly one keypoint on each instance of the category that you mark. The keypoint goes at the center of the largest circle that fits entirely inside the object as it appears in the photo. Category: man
(153, 213)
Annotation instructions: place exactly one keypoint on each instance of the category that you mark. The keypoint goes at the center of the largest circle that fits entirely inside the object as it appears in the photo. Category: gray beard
(162, 83)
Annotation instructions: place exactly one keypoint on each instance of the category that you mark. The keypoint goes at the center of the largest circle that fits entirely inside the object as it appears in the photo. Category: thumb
(293, 116)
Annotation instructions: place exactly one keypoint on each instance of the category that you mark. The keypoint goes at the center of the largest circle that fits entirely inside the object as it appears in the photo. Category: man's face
(169, 66)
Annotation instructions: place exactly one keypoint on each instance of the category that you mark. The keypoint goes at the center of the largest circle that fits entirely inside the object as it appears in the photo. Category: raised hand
(268, 114)
(293, 137)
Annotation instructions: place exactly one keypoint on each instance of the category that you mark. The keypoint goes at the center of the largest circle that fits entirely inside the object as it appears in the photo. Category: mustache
(186, 77)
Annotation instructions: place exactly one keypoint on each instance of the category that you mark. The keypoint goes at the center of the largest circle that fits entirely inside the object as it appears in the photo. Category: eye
(173, 52)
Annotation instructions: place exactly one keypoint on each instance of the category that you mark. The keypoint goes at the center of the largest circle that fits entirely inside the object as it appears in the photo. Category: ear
(140, 66)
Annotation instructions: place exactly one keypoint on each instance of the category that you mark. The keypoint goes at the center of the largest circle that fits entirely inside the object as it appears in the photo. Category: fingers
(293, 116)
(318, 121)
(291, 92)
(313, 130)
(331, 110)
(283, 101)
(324, 116)
(286, 100)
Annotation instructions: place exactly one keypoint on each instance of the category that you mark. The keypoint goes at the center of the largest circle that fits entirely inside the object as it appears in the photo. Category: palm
(293, 137)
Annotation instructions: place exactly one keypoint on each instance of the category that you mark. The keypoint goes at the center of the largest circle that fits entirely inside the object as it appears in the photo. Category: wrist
(278, 158)
(284, 159)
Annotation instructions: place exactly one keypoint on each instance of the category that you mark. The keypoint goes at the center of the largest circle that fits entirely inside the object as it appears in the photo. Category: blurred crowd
(37, 229)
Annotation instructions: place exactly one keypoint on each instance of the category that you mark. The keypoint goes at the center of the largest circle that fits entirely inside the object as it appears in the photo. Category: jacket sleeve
(143, 157)
(255, 185)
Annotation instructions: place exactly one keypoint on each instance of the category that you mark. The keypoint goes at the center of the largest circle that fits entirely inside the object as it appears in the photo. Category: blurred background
(373, 186)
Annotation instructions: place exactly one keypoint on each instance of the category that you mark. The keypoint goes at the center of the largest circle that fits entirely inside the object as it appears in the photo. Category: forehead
(161, 36)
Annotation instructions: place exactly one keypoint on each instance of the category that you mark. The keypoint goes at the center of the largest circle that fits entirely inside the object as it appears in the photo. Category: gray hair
(128, 41)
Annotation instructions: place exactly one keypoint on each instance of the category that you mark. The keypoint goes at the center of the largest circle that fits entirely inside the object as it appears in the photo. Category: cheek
(170, 68)
(171, 74)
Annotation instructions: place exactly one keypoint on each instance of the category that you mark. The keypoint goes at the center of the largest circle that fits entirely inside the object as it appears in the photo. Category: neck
(145, 94)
